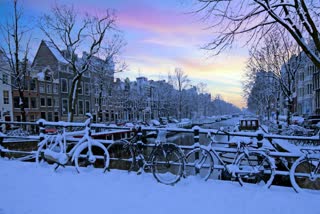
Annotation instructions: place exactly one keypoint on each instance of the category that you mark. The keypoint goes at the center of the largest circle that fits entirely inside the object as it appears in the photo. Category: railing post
(41, 130)
(196, 144)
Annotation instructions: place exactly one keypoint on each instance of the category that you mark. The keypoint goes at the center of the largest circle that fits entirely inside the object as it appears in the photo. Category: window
(33, 102)
(42, 101)
(87, 106)
(43, 115)
(56, 116)
(16, 102)
(49, 116)
(55, 89)
(64, 106)
(49, 102)
(33, 85)
(309, 89)
(55, 102)
(49, 88)
(5, 78)
(64, 85)
(26, 102)
(80, 107)
(87, 89)
(41, 87)
(47, 75)
(5, 97)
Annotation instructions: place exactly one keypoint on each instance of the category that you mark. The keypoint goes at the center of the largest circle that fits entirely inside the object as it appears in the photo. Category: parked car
(297, 120)
(173, 120)
(163, 120)
(311, 121)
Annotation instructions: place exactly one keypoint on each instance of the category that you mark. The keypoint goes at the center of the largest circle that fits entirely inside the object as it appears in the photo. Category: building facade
(6, 113)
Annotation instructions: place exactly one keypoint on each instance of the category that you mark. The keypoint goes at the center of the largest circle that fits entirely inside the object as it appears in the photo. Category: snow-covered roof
(40, 75)
(56, 52)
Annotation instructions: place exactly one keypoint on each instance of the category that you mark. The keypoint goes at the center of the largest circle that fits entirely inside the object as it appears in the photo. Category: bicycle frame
(242, 148)
(61, 141)
(136, 146)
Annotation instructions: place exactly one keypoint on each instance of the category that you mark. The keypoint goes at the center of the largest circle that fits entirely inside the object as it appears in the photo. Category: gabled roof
(57, 54)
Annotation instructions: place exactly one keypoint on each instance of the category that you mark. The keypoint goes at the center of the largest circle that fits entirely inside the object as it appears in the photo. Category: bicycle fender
(86, 144)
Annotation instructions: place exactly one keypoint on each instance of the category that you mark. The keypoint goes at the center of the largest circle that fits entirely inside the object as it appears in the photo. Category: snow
(40, 76)
(30, 188)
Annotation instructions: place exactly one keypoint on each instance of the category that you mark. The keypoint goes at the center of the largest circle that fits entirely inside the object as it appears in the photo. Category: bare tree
(204, 98)
(202, 88)
(180, 81)
(280, 57)
(104, 70)
(14, 46)
(66, 32)
(263, 92)
(255, 18)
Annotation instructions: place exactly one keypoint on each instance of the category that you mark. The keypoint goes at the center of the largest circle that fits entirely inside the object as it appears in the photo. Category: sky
(160, 35)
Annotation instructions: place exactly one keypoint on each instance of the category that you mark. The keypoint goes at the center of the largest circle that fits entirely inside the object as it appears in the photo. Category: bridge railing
(125, 132)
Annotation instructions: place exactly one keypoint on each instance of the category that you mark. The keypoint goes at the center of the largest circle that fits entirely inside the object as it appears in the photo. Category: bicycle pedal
(139, 172)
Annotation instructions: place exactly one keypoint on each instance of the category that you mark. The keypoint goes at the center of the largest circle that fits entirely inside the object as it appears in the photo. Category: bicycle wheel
(98, 158)
(121, 156)
(255, 168)
(305, 174)
(199, 162)
(167, 164)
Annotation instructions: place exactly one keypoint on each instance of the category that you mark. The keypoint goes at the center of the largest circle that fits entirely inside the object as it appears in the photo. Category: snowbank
(29, 188)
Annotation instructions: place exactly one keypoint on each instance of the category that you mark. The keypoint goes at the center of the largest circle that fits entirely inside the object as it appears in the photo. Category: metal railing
(41, 125)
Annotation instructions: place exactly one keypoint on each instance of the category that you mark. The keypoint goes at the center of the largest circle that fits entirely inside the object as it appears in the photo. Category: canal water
(186, 139)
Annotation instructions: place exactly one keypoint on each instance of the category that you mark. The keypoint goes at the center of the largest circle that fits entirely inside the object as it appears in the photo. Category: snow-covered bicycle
(248, 164)
(165, 160)
(86, 153)
(305, 171)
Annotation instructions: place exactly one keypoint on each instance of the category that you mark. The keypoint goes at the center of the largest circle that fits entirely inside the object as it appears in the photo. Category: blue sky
(160, 35)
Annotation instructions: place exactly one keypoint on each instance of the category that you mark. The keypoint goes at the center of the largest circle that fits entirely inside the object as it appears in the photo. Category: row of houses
(47, 86)
(302, 91)
(306, 87)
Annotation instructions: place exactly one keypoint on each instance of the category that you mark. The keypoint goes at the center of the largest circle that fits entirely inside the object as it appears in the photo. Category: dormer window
(48, 76)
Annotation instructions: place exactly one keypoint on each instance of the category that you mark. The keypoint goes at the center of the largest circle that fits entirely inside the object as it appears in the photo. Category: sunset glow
(160, 36)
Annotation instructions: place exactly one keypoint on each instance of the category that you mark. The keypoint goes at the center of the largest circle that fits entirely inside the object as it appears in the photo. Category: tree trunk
(21, 105)
(73, 97)
(290, 103)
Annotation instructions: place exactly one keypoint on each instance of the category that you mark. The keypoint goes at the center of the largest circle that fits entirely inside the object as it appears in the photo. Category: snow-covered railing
(196, 131)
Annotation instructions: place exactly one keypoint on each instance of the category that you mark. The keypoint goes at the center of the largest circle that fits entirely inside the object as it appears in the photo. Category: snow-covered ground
(30, 188)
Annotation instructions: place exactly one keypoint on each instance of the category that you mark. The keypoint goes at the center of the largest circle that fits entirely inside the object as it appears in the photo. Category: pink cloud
(159, 21)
